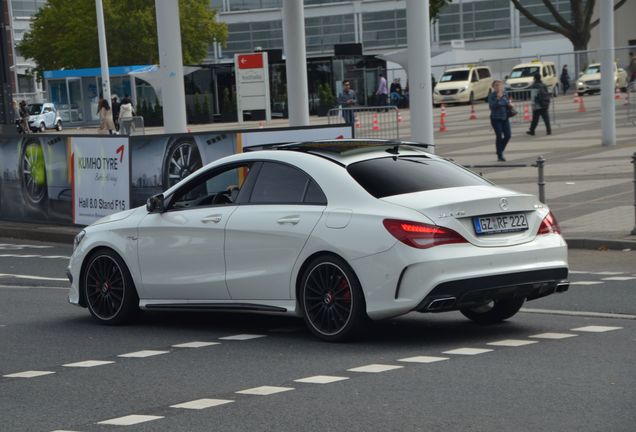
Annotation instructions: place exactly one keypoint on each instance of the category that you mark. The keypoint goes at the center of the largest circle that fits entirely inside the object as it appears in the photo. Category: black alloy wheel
(331, 299)
(494, 311)
(108, 288)
(182, 159)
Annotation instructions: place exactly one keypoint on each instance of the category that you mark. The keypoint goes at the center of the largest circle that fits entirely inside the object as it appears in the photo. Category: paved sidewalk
(590, 188)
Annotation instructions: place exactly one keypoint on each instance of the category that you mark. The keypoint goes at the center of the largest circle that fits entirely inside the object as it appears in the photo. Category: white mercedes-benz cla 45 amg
(337, 232)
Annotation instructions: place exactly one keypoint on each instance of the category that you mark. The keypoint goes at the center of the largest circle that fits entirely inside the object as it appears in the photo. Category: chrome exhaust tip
(441, 304)
(562, 286)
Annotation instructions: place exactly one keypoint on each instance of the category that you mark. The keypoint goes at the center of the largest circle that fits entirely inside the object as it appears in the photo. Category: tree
(64, 33)
(578, 29)
(435, 6)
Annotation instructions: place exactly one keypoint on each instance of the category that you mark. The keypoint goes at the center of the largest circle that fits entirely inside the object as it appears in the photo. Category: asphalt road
(576, 378)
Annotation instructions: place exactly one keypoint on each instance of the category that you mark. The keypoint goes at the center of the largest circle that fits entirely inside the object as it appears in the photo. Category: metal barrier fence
(539, 165)
(369, 122)
(132, 126)
(522, 101)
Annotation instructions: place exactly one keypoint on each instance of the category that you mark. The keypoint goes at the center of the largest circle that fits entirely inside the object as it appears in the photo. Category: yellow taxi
(463, 84)
(522, 76)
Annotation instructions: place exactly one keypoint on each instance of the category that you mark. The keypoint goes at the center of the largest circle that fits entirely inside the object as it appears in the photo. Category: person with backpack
(540, 105)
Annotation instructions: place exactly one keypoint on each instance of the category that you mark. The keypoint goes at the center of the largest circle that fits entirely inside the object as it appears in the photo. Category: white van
(463, 84)
(522, 76)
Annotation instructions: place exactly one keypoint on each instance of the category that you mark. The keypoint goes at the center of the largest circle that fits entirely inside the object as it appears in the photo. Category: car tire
(42, 127)
(33, 172)
(108, 288)
(331, 299)
(58, 126)
(182, 159)
(495, 311)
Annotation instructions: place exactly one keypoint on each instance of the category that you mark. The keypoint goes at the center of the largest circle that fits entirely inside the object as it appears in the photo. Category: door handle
(293, 220)
(212, 218)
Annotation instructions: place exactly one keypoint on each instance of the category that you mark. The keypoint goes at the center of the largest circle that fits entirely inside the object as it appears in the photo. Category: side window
(545, 70)
(216, 187)
(474, 76)
(314, 194)
(281, 184)
(484, 73)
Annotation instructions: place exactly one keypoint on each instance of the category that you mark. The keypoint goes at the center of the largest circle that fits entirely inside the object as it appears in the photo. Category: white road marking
(265, 390)
(468, 351)
(608, 273)
(202, 403)
(423, 359)
(579, 313)
(35, 256)
(130, 420)
(88, 363)
(619, 278)
(321, 379)
(242, 337)
(18, 276)
(28, 374)
(512, 343)
(196, 344)
(61, 430)
(553, 336)
(142, 354)
(10, 246)
(578, 272)
(596, 329)
(586, 283)
(375, 368)
(33, 287)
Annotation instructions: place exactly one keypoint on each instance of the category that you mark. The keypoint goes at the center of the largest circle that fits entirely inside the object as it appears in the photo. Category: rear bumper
(466, 293)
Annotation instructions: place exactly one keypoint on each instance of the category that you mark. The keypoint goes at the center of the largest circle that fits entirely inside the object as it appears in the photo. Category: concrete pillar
(296, 63)
(171, 66)
(103, 52)
(606, 54)
(419, 50)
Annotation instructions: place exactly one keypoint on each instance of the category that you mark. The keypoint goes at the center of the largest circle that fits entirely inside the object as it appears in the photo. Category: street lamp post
(103, 52)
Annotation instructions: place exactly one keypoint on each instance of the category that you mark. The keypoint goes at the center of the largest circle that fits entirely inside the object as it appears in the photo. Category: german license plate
(449, 97)
(504, 223)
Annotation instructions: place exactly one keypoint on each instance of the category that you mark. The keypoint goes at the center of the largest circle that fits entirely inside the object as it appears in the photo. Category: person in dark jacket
(115, 107)
(498, 103)
(540, 105)
(565, 79)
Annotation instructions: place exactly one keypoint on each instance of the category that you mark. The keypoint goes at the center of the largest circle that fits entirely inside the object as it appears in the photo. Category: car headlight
(463, 89)
(78, 239)
(580, 83)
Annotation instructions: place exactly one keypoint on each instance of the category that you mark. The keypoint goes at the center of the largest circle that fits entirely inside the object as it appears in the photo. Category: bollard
(634, 163)
(541, 182)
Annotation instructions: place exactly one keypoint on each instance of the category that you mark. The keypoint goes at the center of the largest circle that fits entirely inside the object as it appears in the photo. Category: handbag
(511, 111)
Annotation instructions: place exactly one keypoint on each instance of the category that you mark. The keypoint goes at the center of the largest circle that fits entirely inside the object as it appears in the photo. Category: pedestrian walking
(23, 112)
(105, 117)
(565, 79)
(540, 105)
(631, 68)
(126, 113)
(347, 99)
(499, 104)
(383, 92)
(115, 107)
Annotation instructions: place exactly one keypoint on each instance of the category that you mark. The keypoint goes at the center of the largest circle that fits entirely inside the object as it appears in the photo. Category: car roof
(533, 63)
(348, 151)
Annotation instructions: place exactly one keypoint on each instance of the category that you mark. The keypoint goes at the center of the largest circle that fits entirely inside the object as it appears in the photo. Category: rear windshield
(461, 75)
(395, 176)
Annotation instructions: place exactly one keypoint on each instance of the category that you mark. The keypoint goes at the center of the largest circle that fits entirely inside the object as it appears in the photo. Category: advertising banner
(252, 83)
(101, 177)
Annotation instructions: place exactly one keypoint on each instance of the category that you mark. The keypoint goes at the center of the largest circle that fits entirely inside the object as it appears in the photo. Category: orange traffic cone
(443, 110)
(617, 94)
(442, 123)
(526, 112)
(376, 124)
(473, 114)
(358, 123)
(581, 106)
(577, 98)
(399, 117)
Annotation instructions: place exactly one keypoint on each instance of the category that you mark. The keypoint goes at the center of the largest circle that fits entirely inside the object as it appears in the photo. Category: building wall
(624, 26)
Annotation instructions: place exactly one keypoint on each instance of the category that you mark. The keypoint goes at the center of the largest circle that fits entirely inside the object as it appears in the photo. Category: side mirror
(154, 204)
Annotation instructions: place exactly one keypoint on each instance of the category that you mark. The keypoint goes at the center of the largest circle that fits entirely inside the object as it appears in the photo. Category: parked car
(590, 80)
(335, 232)
(522, 76)
(463, 84)
(44, 116)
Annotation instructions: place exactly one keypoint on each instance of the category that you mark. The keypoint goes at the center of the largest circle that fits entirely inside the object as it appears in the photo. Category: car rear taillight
(549, 225)
(420, 235)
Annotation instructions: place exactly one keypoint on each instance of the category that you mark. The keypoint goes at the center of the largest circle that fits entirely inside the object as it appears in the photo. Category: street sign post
(252, 84)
